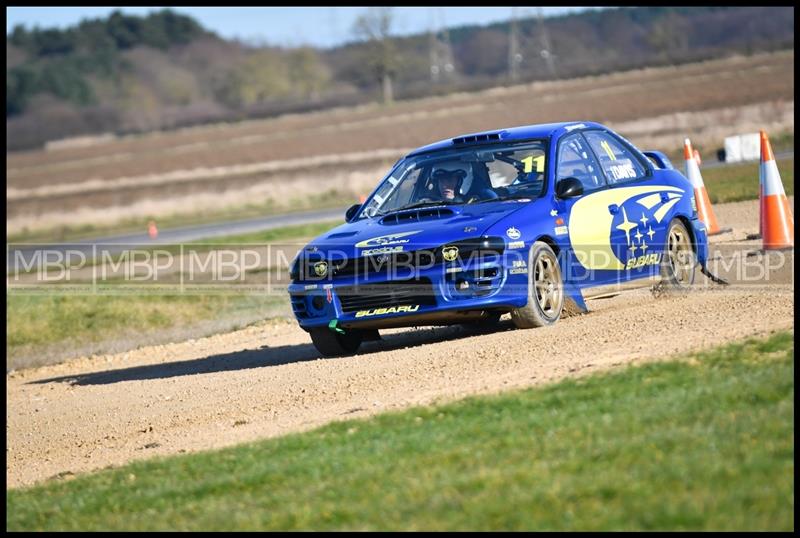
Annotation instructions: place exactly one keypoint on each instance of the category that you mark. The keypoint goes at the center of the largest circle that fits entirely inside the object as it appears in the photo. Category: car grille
(402, 265)
(386, 294)
(388, 265)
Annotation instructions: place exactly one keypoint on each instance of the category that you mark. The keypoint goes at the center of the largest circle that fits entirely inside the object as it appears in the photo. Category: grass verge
(299, 231)
(782, 141)
(49, 329)
(736, 183)
(39, 320)
(42, 320)
(703, 442)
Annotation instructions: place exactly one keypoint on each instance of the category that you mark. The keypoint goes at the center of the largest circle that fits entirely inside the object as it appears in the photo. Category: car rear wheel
(333, 344)
(679, 262)
(545, 290)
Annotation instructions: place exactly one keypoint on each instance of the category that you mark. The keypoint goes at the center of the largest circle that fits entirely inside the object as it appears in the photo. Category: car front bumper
(445, 293)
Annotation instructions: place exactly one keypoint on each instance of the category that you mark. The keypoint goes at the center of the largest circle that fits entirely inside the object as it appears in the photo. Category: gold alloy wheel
(681, 255)
(547, 283)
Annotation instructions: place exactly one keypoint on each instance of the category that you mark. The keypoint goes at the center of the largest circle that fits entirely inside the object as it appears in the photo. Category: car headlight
(476, 248)
(493, 244)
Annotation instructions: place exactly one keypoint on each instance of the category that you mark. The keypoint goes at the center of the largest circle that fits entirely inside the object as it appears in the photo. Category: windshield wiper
(502, 199)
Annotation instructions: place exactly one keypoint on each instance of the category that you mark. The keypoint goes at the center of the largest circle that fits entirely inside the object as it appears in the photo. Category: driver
(448, 184)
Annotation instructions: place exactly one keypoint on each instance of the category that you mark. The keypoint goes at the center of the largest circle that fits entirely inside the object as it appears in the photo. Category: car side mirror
(659, 159)
(569, 188)
(351, 212)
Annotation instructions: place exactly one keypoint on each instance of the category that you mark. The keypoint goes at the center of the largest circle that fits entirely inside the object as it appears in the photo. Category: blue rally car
(520, 220)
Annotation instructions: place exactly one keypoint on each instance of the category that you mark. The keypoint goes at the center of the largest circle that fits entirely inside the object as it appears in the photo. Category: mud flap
(573, 301)
(334, 328)
(712, 277)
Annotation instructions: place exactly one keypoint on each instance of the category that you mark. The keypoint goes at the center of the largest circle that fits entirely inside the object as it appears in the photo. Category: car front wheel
(333, 344)
(545, 290)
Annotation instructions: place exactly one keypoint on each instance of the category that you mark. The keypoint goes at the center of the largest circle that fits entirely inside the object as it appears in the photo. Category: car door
(638, 206)
(590, 244)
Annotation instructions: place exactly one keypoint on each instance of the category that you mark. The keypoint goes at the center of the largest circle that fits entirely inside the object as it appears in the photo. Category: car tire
(545, 290)
(333, 344)
(679, 261)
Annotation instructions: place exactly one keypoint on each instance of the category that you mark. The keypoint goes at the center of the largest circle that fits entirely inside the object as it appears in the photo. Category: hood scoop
(341, 234)
(417, 215)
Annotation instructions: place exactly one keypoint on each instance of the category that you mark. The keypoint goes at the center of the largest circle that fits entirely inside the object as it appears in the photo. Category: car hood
(411, 230)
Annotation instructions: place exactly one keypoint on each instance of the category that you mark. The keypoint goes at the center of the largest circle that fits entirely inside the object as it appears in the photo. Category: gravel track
(267, 380)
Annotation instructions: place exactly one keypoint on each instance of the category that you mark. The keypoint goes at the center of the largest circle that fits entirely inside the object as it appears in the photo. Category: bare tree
(308, 74)
(375, 26)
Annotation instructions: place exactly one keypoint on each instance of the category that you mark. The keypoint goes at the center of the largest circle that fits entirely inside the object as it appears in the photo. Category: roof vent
(476, 139)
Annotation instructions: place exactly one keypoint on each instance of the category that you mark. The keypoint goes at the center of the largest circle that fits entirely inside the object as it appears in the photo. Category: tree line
(127, 73)
(62, 60)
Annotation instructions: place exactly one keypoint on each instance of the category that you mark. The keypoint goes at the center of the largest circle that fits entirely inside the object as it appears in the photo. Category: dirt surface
(268, 380)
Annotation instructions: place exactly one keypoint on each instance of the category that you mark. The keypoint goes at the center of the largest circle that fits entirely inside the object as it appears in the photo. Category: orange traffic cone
(362, 198)
(776, 220)
(700, 194)
(697, 158)
(152, 231)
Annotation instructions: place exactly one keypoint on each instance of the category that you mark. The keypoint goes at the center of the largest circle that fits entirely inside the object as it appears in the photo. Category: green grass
(39, 320)
(705, 442)
(79, 319)
(299, 231)
(740, 182)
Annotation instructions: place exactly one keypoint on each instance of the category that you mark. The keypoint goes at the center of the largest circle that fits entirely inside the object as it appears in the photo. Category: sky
(285, 26)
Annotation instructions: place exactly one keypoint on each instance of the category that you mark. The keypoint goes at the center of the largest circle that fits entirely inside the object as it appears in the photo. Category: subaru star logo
(638, 219)
(513, 233)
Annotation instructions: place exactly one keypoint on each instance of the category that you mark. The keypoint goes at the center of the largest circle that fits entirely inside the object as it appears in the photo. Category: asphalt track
(23, 254)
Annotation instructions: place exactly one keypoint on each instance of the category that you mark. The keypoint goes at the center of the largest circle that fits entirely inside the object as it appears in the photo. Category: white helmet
(460, 170)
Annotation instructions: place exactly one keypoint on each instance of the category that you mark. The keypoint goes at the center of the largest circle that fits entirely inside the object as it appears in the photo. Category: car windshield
(462, 176)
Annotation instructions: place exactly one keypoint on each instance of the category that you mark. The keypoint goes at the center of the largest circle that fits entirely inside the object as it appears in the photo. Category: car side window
(576, 160)
(617, 162)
